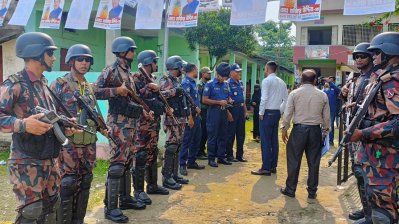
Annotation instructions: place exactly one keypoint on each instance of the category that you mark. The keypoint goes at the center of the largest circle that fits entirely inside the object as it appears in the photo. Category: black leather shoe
(312, 196)
(195, 166)
(130, 203)
(181, 180)
(183, 170)
(224, 162)
(202, 157)
(242, 160)
(231, 159)
(143, 197)
(284, 191)
(115, 215)
(261, 172)
(356, 215)
(171, 184)
(156, 189)
(212, 164)
(273, 170)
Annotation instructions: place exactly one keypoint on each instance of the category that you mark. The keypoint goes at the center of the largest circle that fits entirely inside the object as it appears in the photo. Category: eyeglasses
(377, 52)
(361, 56)
(50, 53)
(81, 59)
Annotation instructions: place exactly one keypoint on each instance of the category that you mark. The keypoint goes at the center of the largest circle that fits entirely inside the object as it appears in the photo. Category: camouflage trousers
(33, 182)
(125, 138)
(174, 133)
(77, 160)
(382, 188)
(147, 138)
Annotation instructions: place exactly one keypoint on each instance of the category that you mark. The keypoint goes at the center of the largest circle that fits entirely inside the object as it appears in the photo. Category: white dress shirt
(274, 94)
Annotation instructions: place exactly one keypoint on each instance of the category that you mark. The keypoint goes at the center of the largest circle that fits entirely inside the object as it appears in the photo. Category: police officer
(174, 128)
(77, 160)
(379, 132)
(216, 95)
(34, 146)
(123, 115)
(352, 94)
(236, 127)
(205, 76)
(192, 132)
(146, 147)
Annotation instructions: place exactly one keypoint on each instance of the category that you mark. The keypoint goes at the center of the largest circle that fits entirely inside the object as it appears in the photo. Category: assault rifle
(51, 117)
(96, 117)
(360, 113)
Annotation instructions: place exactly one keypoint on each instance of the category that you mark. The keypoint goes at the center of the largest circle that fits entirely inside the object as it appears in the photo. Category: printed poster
(317, 51)
(248, 12)
(79, 15)
(300, 10)
(109, 14)
(149, 14)
(22, 12)
(209, 5)
(5, 5)
(365, 7)
(52, 12)
(183, 13)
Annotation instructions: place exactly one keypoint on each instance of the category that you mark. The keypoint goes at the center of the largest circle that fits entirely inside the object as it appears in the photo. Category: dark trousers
(190, 144)
(204, 133)
(332, 115)
(308, 139)
(236, 130)
(216, 125)
(256, 122)
(268, 128)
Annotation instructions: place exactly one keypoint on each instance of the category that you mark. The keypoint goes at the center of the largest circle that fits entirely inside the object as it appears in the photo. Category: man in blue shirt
(3, 9)
(332, 94)
(192, 132)
(116, 10)
(191, 7)
(216, 95)
(236, 127)
(56, 11)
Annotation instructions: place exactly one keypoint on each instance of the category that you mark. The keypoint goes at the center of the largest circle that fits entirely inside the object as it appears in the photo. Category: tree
(276, 42)
(215, 33)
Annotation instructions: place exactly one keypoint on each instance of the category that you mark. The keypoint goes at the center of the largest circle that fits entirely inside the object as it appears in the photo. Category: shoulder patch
(14, 78)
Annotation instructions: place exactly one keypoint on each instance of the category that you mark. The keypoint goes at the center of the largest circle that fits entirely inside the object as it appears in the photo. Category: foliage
(215, 33)
(378, 21)
(276, 43)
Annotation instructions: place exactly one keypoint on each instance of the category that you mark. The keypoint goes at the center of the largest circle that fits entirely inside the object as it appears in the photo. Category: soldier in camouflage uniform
(34, 147)
(171, 89)
(76, 160)
(146, 144)
(123, 115)
(379, 132)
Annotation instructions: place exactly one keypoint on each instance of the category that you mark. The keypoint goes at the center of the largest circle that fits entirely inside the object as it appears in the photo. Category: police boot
(30, 213)
(67, 192)
(176, 176)
(111, 210)
(138, 177)
(358, 172)
(82, 199)
(126, 201)
(50, 206)
(167, 170)
(151, 177)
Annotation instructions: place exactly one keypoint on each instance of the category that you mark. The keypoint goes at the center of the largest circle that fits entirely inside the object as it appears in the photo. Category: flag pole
(166, 38)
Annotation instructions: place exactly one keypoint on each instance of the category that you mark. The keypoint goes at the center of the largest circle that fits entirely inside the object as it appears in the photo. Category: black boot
(67, 190)
(82, 199)
(111, 210)
(176, 176)
(167, 170)
(151, 177)
(356, 215)
(126, 201)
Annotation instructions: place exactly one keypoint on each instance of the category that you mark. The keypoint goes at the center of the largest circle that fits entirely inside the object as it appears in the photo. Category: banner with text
(300, 10)
(5, 5)
(180, 16)
(365, 7)
(209, 5)
(79, 15)
(52, 12)
(22, 12)
(227, 3)
(109, 14)
(248, 12)
(149, 14)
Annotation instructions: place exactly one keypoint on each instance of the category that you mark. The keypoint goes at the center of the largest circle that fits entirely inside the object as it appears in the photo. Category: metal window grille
(393, 27)
(354, 34)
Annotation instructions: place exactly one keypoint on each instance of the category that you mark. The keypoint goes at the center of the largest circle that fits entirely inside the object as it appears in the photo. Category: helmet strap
(385, 59)
(43, 62)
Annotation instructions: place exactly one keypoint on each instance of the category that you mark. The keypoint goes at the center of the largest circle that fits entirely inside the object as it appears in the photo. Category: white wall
(11, 64)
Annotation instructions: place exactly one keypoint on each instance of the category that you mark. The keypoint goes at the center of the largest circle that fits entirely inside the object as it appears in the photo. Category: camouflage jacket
(167, 86)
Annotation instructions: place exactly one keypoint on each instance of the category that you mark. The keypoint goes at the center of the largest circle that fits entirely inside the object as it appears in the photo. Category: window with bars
(393, 27)
(354, 34)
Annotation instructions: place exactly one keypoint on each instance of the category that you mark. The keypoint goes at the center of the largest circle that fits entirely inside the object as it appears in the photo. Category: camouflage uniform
(35, 181)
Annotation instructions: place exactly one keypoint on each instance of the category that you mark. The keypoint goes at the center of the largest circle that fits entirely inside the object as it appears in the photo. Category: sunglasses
(50, 53)
(81, 59)
(361, 56)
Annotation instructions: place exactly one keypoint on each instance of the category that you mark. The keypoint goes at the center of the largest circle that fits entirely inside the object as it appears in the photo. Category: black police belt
(390, 142)
(238, 104)
(122, 106)
(155, 105)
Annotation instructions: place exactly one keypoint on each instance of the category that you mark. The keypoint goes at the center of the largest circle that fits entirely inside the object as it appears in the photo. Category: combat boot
(176, 176)
(126, 201)
(167, 170)
(151, 177)
(111, 210)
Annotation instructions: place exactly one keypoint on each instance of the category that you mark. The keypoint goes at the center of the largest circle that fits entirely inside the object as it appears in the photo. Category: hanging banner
(52, 12)
(149, 15)
(79, 15)
(209, 5)
(300, 10)
(227, 3)
(365, 7)
(248, 12)
(317, 51)
(5, 5)
(183, 15)
(109, 14)
(22, 12)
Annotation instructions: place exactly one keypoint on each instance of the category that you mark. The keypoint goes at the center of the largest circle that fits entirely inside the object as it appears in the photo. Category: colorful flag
(149, 14)
(248, 12)
(5, 5)
(183, 15)
(22, 12)
(365, 7)
(209, 5)
(52, 12)
(109, 14)
(79, 15)
(300, 10)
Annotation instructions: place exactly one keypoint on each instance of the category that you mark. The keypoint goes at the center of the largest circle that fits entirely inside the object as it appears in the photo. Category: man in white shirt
(272, 104)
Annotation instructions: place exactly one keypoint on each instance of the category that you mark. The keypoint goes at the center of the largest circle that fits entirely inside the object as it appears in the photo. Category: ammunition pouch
(180, 108)
(41, 147)
(84, 137)
(156, 106)
(122, 106)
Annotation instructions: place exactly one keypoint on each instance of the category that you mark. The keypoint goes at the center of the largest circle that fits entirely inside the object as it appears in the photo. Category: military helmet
(361, 48)
(147, 57)
(78, 50)
(122, 44)
(175, 62)
(387, 42)
(33, 45)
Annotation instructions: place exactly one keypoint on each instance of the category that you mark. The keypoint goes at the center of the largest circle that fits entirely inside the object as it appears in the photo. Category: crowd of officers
(52, 178)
